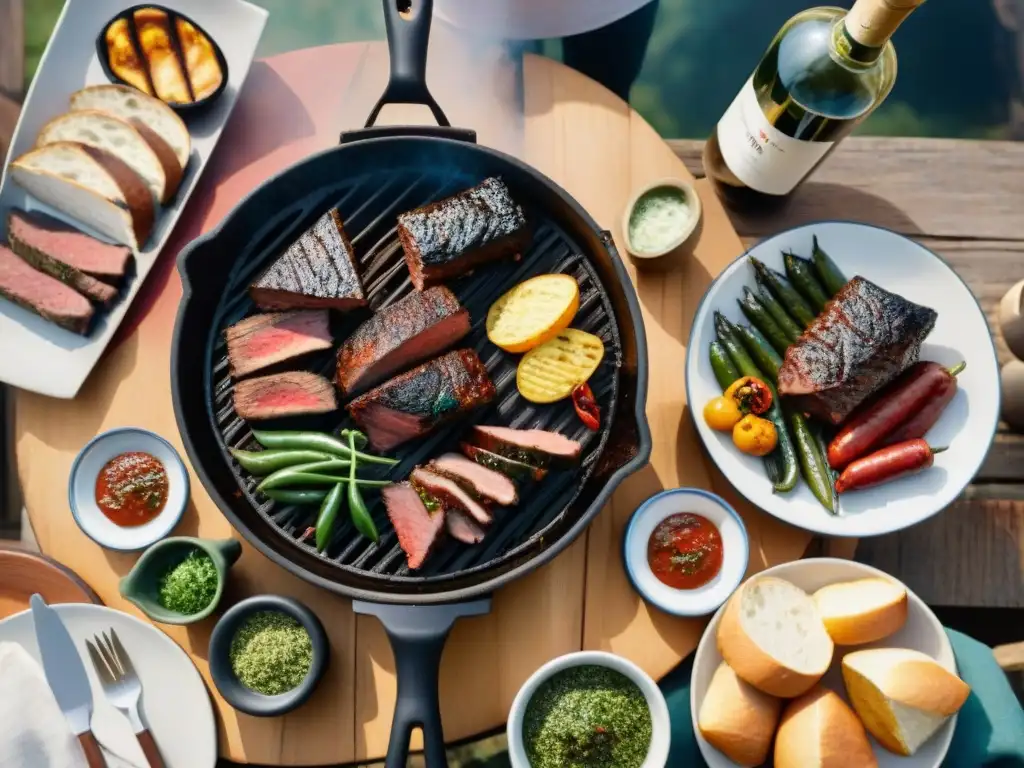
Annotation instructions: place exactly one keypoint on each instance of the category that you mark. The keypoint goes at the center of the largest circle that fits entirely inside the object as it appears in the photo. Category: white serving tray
(35, 354)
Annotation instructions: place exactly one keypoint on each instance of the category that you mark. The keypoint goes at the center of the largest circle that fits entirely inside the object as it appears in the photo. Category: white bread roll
(903, 696)
(737, 719)
(819, 730)
(862, 611)
(772, 636)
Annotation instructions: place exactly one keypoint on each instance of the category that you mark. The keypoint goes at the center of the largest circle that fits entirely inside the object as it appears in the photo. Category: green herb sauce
(271, 653)
(659, 217)
(587, 717)
(190, 586)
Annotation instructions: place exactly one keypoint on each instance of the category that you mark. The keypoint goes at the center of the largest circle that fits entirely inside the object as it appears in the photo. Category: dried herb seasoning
(190, 586)
(271, 653)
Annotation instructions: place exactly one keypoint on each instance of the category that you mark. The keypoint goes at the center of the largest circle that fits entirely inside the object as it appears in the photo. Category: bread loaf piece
(737, 719)
(862, 611)
(819, 730)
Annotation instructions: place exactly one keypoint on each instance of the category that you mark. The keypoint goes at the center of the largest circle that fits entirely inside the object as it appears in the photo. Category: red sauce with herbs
(132, 489)
(685, 551)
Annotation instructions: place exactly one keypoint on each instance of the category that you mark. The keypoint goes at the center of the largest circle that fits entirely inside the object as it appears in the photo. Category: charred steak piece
(863, 339)
(317, 271)
(284, 394)
(38, 238)
(530, 446)
(417, 402)
(450, 494)
(400, 336)
(263, 340)
(452, 236)
(418, 528)
(462, 527)
(476, 479)
(515, 470)
(42, 294)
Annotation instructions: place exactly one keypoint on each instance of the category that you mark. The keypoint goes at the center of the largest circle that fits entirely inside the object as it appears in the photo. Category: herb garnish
(189, 586)
(271, 653)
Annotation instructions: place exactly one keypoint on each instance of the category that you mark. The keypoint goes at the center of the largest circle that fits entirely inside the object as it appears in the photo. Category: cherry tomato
(722, 414)
(755, 435)
(751, 395)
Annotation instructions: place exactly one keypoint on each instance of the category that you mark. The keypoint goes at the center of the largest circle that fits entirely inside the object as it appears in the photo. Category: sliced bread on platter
(819, 730)
(154, 161)
(862, 611)
(737, 719)
(91, 185)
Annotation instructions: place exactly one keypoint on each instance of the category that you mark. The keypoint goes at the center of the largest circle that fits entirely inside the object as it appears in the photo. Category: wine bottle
(826, 70)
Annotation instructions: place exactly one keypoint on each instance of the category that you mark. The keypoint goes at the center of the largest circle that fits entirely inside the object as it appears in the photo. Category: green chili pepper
(282, 478)
(361, 518)
(767, 359)
(832, 278)
(328, 514)
(812, 464)
(801, 275)
(725, 371)
(261, 463)
(316, 441)
(758, 315)
(778, 312)
(296, 497)
(794, 303)
(301, 480)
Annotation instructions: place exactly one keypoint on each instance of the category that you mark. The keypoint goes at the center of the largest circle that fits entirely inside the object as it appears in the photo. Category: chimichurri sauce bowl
(589, 710)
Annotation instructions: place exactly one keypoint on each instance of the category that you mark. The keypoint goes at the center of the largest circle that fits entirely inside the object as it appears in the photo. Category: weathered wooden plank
(12, 47)
(1010, 657)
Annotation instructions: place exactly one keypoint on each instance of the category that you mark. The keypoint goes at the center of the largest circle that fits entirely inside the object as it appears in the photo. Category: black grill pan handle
(417, 634)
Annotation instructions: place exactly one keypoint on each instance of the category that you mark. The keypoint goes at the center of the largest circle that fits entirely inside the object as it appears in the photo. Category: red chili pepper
(887, 464)
(586, 407)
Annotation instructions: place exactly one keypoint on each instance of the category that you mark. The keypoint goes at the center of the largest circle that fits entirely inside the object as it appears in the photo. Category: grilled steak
(863, 339)
(515, 470)
(42, 294)
(417, 402)
(476, 479)
(417, 527)
(398, 337)
(263, 340)
(284, 394)
(450, 494)
(450, 237)
(48, 239)
(463, 528)
(529, 446)
(317, 271)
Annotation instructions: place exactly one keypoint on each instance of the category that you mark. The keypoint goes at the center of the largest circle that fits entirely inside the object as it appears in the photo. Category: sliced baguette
(155, 162)
(903, 696)
(862, 611)
(140, 110)
(819, 730)
(737, 719)
(772, 636)
(91, 185)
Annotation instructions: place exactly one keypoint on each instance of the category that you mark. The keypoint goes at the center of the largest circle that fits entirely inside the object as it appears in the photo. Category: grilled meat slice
(452, 236)
(450, 494)
(400, 336)
(42, 294)
(463, 528)
(515, 470)
(93, 289)
(317, 271)
(529, 446)
(50, 239)
(479, 481)
(418, 528)
(863, 339)
(263, 340)
(417, 402)
(284, 394)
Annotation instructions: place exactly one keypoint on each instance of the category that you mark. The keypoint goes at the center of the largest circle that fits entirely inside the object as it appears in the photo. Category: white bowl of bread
(824, 662)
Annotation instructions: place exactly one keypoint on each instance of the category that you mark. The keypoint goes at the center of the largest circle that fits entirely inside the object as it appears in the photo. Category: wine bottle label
(759, 155)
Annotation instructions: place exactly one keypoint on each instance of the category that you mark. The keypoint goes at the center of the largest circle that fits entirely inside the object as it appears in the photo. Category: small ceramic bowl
(657, 754)
(1011, 319)
(142, 584)
(681, 237)
(82, 489)
(245, 699)
(735, 551)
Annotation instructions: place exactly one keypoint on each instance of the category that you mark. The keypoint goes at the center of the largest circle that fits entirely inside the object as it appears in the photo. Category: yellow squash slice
(533, 312)
(554, 369)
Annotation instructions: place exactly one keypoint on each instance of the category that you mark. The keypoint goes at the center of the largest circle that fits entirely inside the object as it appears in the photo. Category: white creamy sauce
(659, 217)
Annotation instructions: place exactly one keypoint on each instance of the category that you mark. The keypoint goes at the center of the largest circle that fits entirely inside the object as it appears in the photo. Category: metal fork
(122, 687)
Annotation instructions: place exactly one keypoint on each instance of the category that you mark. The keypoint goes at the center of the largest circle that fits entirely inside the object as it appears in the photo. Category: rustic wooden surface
(12, 67)
(965, 201)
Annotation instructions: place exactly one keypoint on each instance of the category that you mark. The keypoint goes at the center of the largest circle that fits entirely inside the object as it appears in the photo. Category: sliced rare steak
(462, 528)
(52, 240)
(452, 236)
(478, 480)
(418, 528)
(529, 446)
(450, 494)
(42, 294)
(318, 271)
(515, 470)
(262, 340)
(417, 402)
(400, 336)
(863, 339)
(284, 394)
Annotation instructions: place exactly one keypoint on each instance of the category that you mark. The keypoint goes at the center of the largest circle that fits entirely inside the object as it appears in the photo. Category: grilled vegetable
(586, 407)
(262, 463)
(812, 462)
(801, 275)
(755, 436)
(767, 359)
(296, 497)
(924, 418)
(551, 372)
(887, 464)
(316, 441)
(722, 365)
(361, 518)
(533, 312)
(722, 414)
(788, 297)
(328, 515)
(779, 314)
(832, 279)
(751, 395)
(758, 315)
(282, 478)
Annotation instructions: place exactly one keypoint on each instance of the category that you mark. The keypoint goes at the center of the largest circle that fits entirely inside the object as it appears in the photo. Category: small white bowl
(693, 202)
(82, 489)
(661, 729)
(735, 550)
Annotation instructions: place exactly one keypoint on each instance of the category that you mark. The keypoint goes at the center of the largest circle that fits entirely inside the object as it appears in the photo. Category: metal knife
(65, 673)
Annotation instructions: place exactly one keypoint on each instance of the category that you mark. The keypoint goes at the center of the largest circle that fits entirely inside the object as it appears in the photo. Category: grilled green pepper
(801, 275)
(758, 315)
(315, 441)
(832, 278)
(812, 463)
(328, 515)
(788, 297)
(778, 313)
(296, 497)
(725, 371)
(767, 359)
(361, 518)
(262, 463)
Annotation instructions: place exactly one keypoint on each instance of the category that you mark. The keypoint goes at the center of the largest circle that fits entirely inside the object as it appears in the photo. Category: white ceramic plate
(36, 354)
(175, 703)
(922, 632)
(82, 489)
(968, 425)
